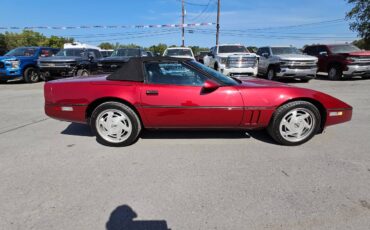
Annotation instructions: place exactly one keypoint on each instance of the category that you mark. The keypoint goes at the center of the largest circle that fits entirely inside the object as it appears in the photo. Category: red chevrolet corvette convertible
(170, 93)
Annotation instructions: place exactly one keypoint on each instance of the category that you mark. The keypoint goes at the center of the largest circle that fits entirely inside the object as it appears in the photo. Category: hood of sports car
(257, 82)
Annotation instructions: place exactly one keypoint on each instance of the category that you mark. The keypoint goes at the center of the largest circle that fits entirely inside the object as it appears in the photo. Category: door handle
(152, 92)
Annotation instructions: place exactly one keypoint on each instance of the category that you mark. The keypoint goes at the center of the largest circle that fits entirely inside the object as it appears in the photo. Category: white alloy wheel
(113, 125)
(297, 125)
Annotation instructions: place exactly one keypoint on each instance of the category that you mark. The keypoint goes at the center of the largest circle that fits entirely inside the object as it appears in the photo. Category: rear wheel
(335, 73)
(295, 123)
(31, 75)
(115, 124)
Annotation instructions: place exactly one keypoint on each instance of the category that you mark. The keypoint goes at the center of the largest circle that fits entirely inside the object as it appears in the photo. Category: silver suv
(286, 62)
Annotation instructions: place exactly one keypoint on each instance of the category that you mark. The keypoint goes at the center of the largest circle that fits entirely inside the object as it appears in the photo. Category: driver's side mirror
(209, 86)
(324, 53)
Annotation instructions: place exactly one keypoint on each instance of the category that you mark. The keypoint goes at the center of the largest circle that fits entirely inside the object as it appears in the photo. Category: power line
(131, 37)
(202, 12)
(192, 3)
(271, 36)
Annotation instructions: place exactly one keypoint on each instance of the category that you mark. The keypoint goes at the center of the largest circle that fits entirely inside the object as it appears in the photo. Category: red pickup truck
(341, 60)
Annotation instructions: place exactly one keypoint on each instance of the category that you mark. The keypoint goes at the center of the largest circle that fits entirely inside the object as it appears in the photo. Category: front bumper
(338, 115)
(294, 73)
(57, 72)
(358, 70)
(10, 74)
(242, 72)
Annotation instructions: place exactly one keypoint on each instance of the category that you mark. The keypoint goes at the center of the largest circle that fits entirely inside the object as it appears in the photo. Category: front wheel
(335, 73)
(295, 123)
(31, 75)
(83, 73)
(115, 124)
(271, 73)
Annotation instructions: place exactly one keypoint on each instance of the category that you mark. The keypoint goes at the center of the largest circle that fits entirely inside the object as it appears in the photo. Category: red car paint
(249, 105)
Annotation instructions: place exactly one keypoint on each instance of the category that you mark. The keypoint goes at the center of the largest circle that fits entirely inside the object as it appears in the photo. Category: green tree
(106, 46)
(362, 44)
(360, 14)
(252, 49)
(31, 38)
(57, 42)
(2, 44)
(197, 49)
(158, 49)
(129, 46)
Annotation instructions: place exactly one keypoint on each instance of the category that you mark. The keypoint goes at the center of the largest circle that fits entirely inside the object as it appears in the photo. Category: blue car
(21, 63)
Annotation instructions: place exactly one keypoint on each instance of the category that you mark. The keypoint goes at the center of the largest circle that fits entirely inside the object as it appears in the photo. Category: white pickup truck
(232, 60)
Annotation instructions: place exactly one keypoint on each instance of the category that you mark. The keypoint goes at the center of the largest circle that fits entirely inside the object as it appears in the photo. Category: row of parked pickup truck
(33, 64)
(339, 61)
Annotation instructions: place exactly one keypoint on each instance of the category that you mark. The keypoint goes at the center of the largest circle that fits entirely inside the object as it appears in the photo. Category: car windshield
(232, 49)
(126, 53)
(343, 49)
(71, 53)
(22, 52)
(179, 52)
(217, 75)
(285, 50)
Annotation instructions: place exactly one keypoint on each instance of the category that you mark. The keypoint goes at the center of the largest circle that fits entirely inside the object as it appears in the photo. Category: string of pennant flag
(107, 27)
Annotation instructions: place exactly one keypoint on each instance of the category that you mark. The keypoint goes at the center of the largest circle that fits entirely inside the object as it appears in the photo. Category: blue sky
(257, 23)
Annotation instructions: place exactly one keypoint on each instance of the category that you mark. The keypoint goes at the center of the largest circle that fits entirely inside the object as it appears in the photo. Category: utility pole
(183, 22)
(218, 23)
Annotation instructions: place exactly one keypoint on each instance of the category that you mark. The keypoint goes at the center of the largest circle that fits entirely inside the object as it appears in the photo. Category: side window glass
(259, 51)
(321, 49)
(97, 54)
(46, 53)
(174, 73)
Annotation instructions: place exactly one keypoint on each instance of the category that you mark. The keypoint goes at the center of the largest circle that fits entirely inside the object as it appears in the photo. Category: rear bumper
(294, 73)
(73, 113)
(358, 70)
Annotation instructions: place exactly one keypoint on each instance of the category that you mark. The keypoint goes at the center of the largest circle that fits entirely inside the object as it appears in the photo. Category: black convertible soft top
(133, 69)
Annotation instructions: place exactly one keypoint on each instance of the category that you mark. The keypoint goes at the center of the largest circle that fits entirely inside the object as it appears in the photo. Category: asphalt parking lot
(54, 175)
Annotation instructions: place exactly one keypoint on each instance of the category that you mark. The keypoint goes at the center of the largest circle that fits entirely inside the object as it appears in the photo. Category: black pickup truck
(119, 57)
(70, 62)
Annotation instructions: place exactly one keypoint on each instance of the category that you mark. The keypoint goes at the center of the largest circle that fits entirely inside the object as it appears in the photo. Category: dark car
(118, 58)
(341, 60)
(201, 56)
(70, 62)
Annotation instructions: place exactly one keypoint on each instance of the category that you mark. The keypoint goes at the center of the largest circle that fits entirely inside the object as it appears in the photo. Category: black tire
(305, 80)
(271, 73)
(82, 72)
(274, 126)
(335, 73)
(128, 112)
(31, 75)
(216, 66)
